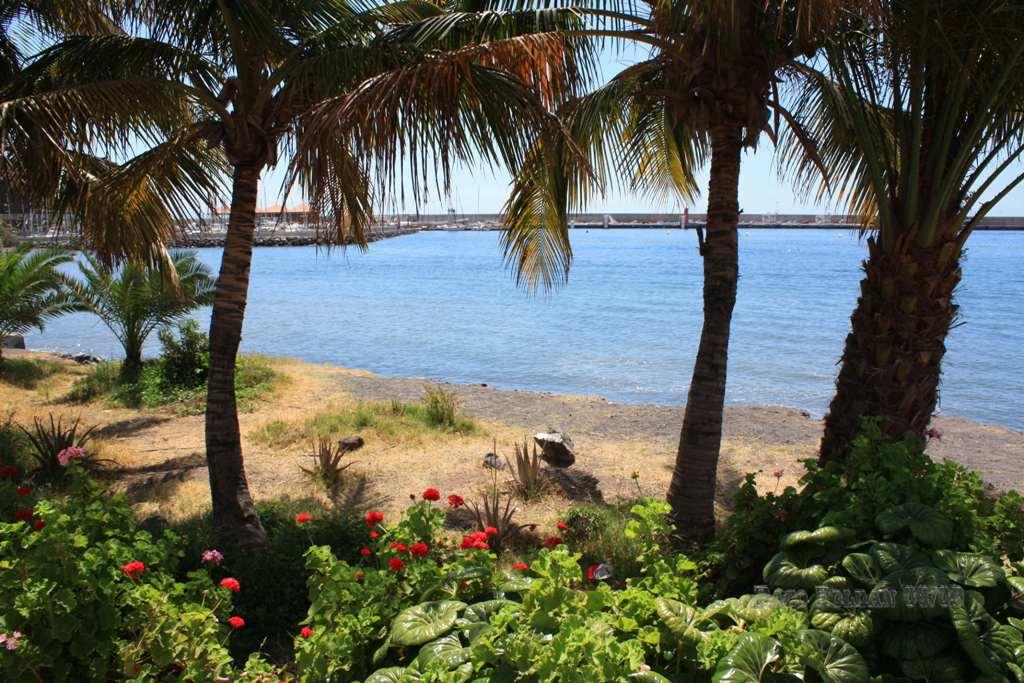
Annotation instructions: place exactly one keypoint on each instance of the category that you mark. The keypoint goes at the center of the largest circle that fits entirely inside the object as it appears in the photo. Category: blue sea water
(443, 306)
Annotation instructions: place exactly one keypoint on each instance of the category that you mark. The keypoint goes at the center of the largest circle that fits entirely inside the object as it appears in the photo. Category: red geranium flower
(476, 540)
(24, 514)
(372, 519)
(431, 494)
(133, 569)
(591, 570)
(38, 524)
(419, 549)
(396, 564)
(303, 517)
(306, 632)
(9, 472)
(400, 547)
(236, 622)
(231, 584)
(491, 531)
(562, 526)
(374, 535)
(521, 566)
(553, 541)
(366, 552)
(455, 501)
(23, 490)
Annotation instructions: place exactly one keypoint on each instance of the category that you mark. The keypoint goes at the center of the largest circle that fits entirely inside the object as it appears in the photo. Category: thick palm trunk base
(234, 515)
(694, 479)
(892, 359)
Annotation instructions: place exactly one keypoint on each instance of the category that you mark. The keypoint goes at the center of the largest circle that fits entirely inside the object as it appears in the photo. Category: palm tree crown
(32, 289)
(133, 300)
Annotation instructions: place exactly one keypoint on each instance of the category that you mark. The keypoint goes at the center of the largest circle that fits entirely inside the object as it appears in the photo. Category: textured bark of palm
(692, 490)
(892, 358)
(234, 515)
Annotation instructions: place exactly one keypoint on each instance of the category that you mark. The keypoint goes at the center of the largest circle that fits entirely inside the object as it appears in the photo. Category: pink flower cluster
(70, 453)
(11, 642)
(212, 557)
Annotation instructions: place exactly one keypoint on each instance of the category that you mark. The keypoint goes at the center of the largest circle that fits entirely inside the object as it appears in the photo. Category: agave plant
(51, 439)
(528, 478)
(495, 511)
(327, 468)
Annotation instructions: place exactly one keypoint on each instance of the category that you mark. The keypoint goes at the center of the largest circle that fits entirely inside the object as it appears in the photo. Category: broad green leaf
(647, 677)
(447, 649)
(943, 669)
(483, 611)
(425, 622)
(918, 641)
(517, 584)
(750, 661)
(912, 594)
(392, 674)
(925, 523)
(821, 538)
(893, 557)
(968, 622)
(1002, 643)
(684, 621)
(782, 571)
(862, 568)
(969, 569)
(834, 660)
(853, 625)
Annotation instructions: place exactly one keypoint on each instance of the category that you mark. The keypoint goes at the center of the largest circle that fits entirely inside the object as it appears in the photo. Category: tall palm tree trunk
(132, 366)
(893, 355)
(692, 491)
(234, 515)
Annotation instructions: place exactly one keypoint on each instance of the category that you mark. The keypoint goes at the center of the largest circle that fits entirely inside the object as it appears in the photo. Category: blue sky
(478, 189)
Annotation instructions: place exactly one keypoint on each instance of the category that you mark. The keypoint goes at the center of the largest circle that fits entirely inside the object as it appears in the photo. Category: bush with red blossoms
(476, 540)
(553, 541)
(306, 632)
(396, 564)
(303, 518)
(432, 494)
(455, 501)
(236, 622)
(419, 549)
(133, 569)
(372, 519)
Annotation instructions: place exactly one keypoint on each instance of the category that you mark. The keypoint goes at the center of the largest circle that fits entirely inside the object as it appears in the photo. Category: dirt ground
(159, 458)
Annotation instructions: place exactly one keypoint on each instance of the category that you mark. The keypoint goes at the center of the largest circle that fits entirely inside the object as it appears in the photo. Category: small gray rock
(557, 449)
(494, 462)
(351, 443)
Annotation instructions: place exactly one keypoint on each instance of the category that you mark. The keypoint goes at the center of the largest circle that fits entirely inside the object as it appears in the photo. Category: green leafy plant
(441, 406)
(184, 355)
(495, 511)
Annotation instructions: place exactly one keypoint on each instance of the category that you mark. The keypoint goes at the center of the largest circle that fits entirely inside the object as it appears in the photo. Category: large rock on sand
(15, 341)
(557, 448)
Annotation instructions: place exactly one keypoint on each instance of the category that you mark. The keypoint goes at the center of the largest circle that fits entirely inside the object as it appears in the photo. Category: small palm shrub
(54, 444)
(327, 469)
(494, 511)
(32, 289)
(528, 478)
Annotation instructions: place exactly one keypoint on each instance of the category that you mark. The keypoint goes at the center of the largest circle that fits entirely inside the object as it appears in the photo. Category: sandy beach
(160, 463)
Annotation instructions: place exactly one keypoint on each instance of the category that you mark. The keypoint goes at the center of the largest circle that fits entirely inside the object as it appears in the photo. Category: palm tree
(919, 117)
(135, 299)
(707, 92)
(49, 127)
(32, 289)
(251, 75)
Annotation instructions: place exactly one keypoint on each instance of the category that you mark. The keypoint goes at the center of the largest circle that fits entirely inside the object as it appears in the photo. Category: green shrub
(101, 382)
(185, 357)
(26, 373)
(597, 531)
(441, 406)
(53, 444)
(275, 599)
